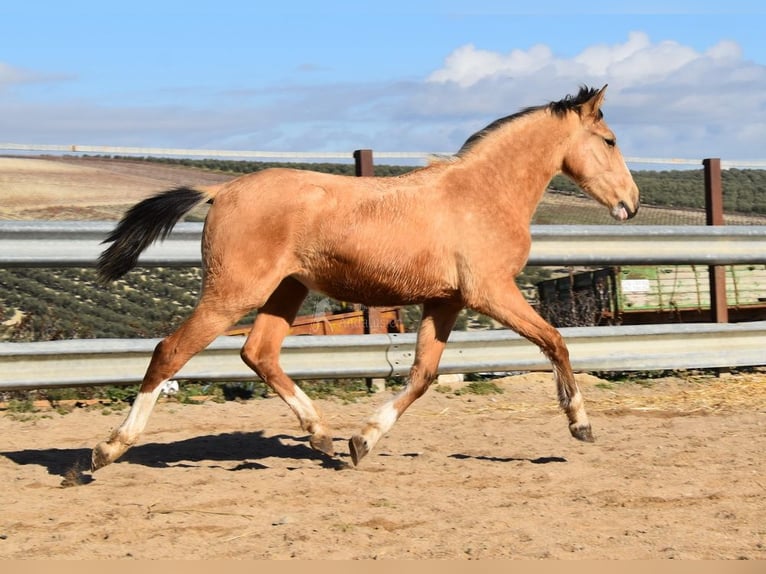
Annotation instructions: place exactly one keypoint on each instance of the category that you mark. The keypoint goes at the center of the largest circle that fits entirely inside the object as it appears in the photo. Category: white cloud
(664, 98)
(10, 75)
(597, 60)
(467, 65)
(635, 61)
(725, 51)
(14, 76)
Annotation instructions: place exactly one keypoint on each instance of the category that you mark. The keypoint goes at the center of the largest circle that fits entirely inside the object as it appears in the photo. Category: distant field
(90, 188)
(85, 188)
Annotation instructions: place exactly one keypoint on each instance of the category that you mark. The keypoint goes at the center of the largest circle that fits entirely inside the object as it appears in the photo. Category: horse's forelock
(573, 102)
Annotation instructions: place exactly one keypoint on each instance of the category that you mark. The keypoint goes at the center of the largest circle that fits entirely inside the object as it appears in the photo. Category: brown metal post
(719, 309)
(363, 163)
(713, 191)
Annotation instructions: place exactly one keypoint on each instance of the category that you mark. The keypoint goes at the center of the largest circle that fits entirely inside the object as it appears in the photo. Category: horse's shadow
(538, 460)
(248, 447)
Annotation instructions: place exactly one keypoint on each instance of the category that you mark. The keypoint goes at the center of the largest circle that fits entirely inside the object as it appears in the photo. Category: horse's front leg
(435, 326)
(508, 305)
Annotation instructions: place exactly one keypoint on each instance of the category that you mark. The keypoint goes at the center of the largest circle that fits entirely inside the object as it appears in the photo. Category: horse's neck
(515, 165)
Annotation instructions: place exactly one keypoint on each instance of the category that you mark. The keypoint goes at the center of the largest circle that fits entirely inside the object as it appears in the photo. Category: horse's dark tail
(143, 224)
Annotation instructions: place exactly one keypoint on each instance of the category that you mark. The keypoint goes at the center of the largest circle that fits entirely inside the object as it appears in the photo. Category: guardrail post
(719, 308)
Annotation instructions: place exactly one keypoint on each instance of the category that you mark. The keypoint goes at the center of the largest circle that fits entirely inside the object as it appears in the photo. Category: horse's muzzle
(622, 212)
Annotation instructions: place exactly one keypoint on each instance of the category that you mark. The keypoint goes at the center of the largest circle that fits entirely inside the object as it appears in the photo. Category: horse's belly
(379, 285)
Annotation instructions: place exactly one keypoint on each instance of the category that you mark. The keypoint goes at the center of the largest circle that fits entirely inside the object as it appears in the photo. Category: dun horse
(451, 235)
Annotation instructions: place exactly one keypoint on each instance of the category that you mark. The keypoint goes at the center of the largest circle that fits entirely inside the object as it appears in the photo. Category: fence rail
(78, 244)
(26, 366)
(622, 348)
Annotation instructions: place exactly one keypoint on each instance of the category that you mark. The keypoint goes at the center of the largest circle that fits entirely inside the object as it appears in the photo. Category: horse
(447, 236)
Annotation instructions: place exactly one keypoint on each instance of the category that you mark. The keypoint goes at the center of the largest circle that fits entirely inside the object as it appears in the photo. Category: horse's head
(595, 163)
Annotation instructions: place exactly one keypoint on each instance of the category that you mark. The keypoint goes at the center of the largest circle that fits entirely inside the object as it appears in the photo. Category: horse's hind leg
(508, 306)
(208, 320)
(261, 353)
(435, 326)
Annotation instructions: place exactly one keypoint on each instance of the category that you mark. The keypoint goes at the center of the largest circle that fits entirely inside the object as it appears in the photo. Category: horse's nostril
(631, 212)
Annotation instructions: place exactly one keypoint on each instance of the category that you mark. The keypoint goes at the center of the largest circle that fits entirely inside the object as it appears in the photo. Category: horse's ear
(592, 106)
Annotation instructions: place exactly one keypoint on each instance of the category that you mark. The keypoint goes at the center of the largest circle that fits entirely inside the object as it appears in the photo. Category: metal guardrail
(622, 348)
(647, 245)
(78, 244)
(25, 366)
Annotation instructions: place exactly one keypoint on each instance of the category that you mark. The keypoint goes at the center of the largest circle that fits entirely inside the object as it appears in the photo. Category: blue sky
(687, 79)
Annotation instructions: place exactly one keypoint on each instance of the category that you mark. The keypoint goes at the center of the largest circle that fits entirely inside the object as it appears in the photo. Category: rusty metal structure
(362, 321)
(653, 294)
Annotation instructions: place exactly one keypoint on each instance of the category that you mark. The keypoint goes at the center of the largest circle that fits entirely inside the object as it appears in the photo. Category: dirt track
(677, 472)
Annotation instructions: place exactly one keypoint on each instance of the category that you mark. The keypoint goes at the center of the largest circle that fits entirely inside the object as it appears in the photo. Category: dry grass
(533, 394)
(710, 395)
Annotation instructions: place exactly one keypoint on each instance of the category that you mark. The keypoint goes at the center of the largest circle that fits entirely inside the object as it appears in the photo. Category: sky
(687, 79)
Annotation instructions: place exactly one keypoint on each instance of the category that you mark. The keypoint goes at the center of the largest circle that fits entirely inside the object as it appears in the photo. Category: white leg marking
(573, 405)
(380, 423)
(138, 416)
(304, 409)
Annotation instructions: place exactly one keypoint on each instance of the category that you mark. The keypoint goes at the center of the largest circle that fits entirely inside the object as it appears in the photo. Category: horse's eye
(610, 142)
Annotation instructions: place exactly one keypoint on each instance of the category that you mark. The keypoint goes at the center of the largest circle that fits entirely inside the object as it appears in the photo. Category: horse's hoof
(322, 443)
(99, 457)
(583, 433)
(358, 448)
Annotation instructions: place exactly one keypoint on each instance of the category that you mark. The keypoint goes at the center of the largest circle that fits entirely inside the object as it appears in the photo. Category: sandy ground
(677, 472)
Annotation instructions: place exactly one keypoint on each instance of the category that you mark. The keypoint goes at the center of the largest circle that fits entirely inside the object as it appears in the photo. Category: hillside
(101, 188)
(81, 188)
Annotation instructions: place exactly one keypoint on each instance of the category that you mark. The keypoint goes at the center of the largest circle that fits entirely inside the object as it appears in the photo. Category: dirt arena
(677, 472)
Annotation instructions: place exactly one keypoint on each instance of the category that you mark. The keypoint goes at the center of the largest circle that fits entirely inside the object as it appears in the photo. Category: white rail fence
(421, 156)
(619, 348)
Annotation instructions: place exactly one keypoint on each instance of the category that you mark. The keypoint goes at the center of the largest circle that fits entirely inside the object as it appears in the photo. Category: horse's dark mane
(559, 108)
